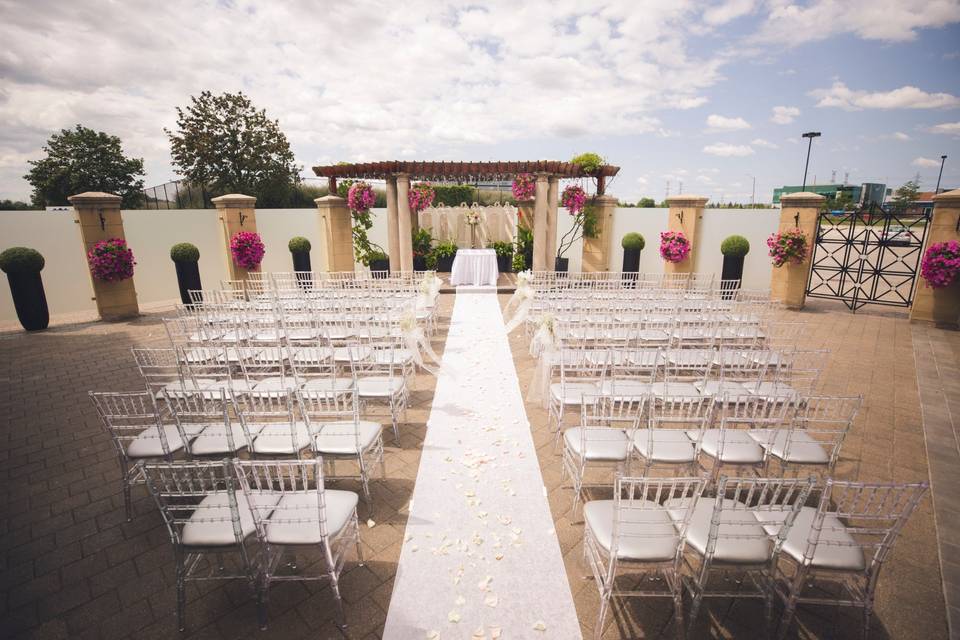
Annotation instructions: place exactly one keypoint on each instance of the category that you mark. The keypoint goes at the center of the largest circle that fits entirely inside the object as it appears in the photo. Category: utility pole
(943, 159)
(753, 192)
(809, 135)
(680, 189)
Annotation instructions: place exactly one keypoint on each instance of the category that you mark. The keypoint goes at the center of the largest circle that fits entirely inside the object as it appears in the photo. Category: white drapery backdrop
(498, 223)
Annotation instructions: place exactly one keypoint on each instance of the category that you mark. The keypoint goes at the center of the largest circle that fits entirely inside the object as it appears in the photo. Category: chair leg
(261, 590)
(678, 625)
(790, 607)
(360, 561)
(694, 610)
(181, 593)
(867, 616)
(604, 608)
(127, 501)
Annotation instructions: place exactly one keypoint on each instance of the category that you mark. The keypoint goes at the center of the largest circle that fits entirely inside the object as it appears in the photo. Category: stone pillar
(404, 225)
(98, 215)
(789, 282)
(596, 251)
(685, 212)
(237, 212)
(393, 222)
(553, 202)
(541, 260)
(940, 307)
(336, 234)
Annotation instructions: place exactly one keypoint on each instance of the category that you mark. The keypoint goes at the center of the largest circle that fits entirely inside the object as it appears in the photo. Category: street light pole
(809, 135)
(942, 160)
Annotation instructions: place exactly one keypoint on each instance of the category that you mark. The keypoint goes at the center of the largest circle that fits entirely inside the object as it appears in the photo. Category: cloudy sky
(710, 94)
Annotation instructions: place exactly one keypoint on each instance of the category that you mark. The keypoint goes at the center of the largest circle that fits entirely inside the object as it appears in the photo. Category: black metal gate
(869, 256)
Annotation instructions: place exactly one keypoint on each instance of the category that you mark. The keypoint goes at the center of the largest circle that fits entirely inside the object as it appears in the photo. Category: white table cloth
(475, 267)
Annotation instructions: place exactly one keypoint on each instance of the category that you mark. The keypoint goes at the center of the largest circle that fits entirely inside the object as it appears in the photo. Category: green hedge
(633, 241)
(736, 246)
(299, 244)
(184, 252)
(452, 194)
(21, 260)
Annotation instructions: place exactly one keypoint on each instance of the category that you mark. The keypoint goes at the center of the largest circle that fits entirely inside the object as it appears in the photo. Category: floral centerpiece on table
(247, 249)
(111, 260)
(787, 246)
(674, 246)
(420, 196)
(941, 264)
(473, 217)
(524, 186)
(360, 199)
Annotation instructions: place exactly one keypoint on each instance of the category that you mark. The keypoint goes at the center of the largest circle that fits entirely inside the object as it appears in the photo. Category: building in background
(864, 194)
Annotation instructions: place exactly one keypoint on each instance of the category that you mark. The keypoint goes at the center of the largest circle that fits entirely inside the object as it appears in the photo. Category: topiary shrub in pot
(22, 266)
(734, 249)
(444, 253)
(504, 251)
(633, 244)
(186, 259)
(421, 248)
(379, 263)
(300, 250)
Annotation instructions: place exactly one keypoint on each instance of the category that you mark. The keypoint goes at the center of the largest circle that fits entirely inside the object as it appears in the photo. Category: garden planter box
(301, 261)
(29, 300)
(505, 263)
(444, 265)
(188, 279)
(561, 265)
(419, 263)
(732, 271)
(631, 260)
(381, 266)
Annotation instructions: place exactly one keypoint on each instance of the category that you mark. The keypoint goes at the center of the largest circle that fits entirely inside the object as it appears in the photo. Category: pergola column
(595, 254)
(393, 222)
(552, 204)
(789, 282)
(336, 234)
(941, 307)
(237, 213)
(541, 260)
(404, 225)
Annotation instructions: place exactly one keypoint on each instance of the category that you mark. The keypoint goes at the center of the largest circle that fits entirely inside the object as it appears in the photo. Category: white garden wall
(151, 234)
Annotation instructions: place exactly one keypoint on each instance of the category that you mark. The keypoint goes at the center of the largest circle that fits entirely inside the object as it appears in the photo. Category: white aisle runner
(480, 552)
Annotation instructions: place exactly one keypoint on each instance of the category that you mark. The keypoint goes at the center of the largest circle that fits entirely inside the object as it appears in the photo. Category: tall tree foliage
(82, 159)
(225, 143)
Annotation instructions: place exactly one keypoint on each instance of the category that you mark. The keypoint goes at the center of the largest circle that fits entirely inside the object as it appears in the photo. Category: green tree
(906, 194)
(82, 159)
(15, 205)
(225, 143)
(647, 203)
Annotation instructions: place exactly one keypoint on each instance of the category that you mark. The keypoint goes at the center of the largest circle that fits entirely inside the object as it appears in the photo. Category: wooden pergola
(399, 173)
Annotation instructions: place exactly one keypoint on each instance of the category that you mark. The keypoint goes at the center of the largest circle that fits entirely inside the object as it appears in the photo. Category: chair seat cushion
(379, 386)
(601, 444)
(738, 446)
(274, 384)
(772, 391)
(296, 520)
(573, 392)
(713, 388)
(213, 440)
(392, 356)
(671, 389)
(149, 445)
(211, 524)
(646, 533)
(328, 384)
(836, 548)
(745, 543)
(346, 438)
(664, 445)
(795, 446)
(280, 438)
(308, 355)
(348, 354)
(653, 335)
(625, 388)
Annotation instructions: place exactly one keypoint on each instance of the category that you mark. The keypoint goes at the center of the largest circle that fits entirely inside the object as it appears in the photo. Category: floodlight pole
(942, 160)
(810, 135)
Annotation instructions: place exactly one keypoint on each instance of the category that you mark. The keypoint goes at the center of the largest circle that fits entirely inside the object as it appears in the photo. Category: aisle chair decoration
(523, 299)
(547, 344)
(415, 340)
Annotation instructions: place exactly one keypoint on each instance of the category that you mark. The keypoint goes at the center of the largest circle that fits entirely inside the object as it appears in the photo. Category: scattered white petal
(539, 626)
(414, 548)
(492, 600)
(460, 601)
(371, 523)
(495, 633)
(433, 635)
(453, 616)
(484, 584)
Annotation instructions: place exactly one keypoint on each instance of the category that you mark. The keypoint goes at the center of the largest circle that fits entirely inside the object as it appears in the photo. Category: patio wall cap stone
(330, 201)
(686, 200)
(802, 199)
(948, 198)
(234, 200)
(94, 198)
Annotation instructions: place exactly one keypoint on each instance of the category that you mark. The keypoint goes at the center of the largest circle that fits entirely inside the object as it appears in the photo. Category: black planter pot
(528, 258)
(445, 265)
(631, 260)
(29, 300)
(732, 270)
(505, 263)
(419, 263)
(188, 278)
(301, 261)
(561, 264)
(380, 265)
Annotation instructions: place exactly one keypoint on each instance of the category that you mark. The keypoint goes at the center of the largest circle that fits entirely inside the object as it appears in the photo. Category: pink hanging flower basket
(247, 249)
(360, 197)
(787, 246)
(941, 264)
(573, 198)
(420, 196)
(674, 246)
(111, 260)
(524, 186)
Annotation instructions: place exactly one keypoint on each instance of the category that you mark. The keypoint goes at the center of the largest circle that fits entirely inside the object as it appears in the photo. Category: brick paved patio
(72, 567)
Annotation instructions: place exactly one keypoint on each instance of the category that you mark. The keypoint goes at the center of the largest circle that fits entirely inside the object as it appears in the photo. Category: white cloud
(791, 24)
(907, 97)
(766, 144)
(949, 128)
(900, 135)
(925, 162)
(784, 115)
(728, 150)
(722, 123)
(458, 77)
(726, 11)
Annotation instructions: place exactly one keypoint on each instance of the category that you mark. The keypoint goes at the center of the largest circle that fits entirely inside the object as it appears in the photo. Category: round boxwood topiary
(298, 244)
(21, 260)
(184, 252)
(633, 241)
(736, 246)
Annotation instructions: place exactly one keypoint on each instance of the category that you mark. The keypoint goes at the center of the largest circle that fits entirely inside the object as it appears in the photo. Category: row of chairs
(666, 537)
